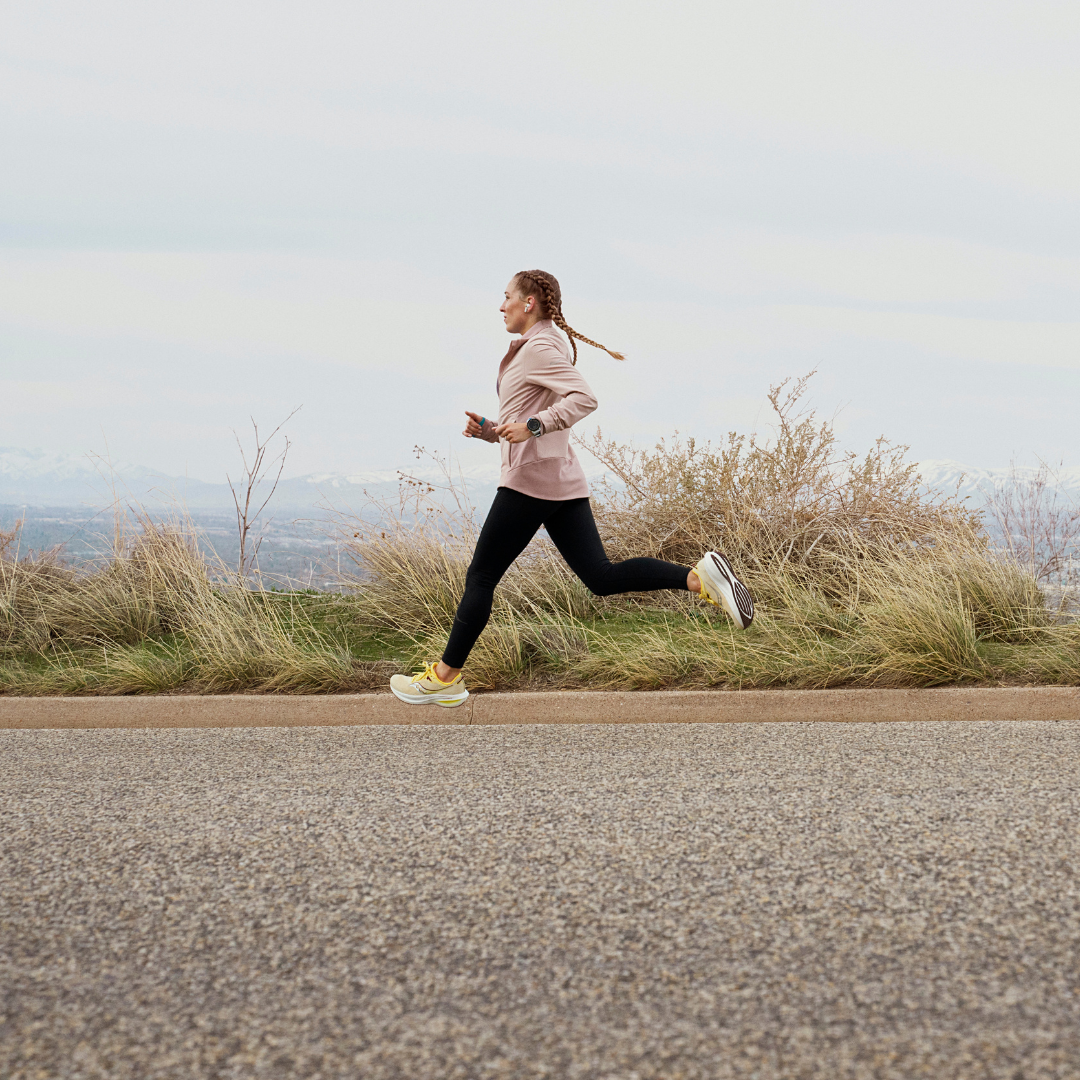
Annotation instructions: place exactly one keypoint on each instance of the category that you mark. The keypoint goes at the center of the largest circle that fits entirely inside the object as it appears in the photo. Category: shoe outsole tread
(739, 604)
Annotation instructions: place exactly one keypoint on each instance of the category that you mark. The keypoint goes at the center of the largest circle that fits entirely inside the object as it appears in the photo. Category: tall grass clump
(154, 615)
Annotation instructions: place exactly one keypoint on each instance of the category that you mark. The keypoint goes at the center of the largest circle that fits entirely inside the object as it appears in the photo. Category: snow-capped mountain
(17, 465)
(949, 476)
(44, 478)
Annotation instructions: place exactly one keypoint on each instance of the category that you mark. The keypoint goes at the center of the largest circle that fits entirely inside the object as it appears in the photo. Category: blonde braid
(560, 322)
(539, 281)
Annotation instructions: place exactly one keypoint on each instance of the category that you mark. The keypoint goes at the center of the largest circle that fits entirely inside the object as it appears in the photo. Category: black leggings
(511, 523)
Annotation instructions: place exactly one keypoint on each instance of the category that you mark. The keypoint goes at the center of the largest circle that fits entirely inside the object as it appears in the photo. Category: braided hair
(546, 289)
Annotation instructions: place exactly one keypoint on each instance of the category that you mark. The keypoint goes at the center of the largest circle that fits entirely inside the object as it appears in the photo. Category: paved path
(545, 707)
(769, 901)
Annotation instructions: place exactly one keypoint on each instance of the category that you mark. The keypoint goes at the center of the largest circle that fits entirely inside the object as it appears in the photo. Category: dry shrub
(9, 540)
(1037, 523)
(793, 508)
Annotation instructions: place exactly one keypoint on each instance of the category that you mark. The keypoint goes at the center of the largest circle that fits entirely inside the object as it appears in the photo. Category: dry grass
(862, 578)
(151, 618)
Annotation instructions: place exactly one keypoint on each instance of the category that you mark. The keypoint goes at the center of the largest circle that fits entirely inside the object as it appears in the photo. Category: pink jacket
(536, 378)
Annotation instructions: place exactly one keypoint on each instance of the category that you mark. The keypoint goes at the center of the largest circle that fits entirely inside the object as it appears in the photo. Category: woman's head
(536, 292)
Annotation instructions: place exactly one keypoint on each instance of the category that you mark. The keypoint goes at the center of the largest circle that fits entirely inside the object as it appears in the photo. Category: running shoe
(720, 587)
(426, 688)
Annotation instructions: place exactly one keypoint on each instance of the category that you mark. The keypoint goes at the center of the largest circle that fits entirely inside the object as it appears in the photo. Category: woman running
(541, 396)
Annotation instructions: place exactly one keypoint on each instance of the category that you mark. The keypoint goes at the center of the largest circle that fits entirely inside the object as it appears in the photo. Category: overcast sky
(216, 210)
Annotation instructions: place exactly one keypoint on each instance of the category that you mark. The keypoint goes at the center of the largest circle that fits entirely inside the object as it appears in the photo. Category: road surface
(618, 902)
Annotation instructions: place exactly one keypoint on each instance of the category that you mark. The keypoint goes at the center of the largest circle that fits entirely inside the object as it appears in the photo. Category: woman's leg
(573, 530)
(511, 523)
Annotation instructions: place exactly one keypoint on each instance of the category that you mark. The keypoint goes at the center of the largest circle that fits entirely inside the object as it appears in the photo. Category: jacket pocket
(555, 444)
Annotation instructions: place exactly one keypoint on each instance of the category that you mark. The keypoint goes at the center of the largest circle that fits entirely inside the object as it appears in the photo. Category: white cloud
(895, 269)
(998, 341)
(989, 86)
(336, 311)
(213, 210)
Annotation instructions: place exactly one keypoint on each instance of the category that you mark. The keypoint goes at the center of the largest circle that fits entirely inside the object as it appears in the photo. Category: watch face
(533, 425)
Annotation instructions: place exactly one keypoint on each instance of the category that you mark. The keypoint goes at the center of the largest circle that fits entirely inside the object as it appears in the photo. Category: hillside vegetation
(862, 578)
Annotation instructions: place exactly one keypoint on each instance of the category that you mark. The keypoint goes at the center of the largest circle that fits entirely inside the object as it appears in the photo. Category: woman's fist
(475, 430)
(514, 433)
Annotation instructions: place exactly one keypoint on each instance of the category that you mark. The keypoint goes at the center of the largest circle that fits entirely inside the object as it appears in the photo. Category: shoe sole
(429, 699)
(733, 594)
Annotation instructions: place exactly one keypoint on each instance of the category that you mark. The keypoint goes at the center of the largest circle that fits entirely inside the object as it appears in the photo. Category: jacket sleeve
(547, 367)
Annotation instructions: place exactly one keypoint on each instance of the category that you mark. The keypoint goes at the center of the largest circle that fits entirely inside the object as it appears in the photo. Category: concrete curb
(565, 707)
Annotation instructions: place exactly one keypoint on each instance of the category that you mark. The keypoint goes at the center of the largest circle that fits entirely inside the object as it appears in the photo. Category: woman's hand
(475, 430)
(514, 433)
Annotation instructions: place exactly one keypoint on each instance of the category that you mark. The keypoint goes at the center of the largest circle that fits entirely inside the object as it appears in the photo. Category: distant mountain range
(42, 478)
(967, 480)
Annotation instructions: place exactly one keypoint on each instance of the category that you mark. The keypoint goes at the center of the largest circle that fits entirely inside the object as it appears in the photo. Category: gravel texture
(768, 901)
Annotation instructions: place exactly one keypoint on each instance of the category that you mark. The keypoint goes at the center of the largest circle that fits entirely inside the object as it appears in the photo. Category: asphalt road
(678, 901)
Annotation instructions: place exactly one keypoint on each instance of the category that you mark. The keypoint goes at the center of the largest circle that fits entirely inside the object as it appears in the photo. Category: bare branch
(253, 476)
(1038, 523)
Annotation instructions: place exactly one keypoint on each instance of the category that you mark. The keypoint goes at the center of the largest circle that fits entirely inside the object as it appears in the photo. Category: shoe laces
(429, 673)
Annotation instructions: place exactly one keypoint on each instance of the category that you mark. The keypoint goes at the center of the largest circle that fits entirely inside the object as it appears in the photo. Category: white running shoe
(426, 688)
(720, 587)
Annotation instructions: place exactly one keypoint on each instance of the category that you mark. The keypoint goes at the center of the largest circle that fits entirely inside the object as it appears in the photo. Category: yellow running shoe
(720, 587)
(426, 688)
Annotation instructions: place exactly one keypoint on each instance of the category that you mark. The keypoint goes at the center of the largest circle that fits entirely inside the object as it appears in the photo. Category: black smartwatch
(535, 427)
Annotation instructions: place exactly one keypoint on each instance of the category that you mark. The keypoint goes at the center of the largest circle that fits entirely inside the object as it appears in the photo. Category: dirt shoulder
(558, 707)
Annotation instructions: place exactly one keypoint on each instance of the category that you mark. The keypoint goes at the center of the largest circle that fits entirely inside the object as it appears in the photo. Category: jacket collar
(537, 327)
(515, 345)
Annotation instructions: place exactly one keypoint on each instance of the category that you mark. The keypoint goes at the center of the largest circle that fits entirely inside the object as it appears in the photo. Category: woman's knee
(599, 580)
(480, 581)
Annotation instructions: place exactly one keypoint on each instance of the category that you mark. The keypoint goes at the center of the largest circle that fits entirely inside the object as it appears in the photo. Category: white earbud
(527, 306)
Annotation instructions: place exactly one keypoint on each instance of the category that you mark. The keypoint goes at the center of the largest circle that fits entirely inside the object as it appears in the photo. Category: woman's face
(513, 309)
